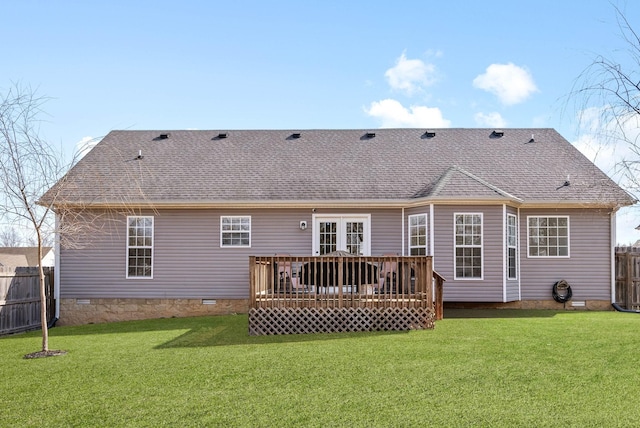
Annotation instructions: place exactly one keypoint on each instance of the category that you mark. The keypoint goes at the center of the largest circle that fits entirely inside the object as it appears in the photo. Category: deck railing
(343, 282)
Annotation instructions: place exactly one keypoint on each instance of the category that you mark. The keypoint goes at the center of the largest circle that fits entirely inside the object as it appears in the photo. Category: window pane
(235, 231)
(468, 241)
(418, 234)
(551, 240)
(140, 245)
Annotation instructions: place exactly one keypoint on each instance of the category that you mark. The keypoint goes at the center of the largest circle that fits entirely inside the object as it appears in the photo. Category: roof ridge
(446, 177)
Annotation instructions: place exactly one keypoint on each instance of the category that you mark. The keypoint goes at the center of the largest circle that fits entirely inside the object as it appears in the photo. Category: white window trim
(426, 226)
(222, 217)
(153, 243)
(515, 246)
(342, 218)
(529, 256)
(455, 246)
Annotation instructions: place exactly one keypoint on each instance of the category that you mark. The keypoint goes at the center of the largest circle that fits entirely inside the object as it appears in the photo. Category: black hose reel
(562, 291)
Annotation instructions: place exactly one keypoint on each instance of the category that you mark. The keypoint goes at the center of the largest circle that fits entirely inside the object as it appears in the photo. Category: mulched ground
(43, 354)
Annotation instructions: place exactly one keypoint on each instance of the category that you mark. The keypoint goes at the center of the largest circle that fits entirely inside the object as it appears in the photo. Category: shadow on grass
(219, 330)
(222, 331)
(228, 330)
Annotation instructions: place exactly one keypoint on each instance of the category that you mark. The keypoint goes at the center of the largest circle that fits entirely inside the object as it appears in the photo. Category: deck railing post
(439, 299)
(252, 282)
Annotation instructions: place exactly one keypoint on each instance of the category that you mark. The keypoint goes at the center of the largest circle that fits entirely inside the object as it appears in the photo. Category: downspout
(612, 268)
(504, 253)
(518, 255)
(432, 248)
(56, 272)
(621, 309)
(403, 231)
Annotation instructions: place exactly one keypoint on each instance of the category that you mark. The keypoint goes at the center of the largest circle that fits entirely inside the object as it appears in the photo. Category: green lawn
(477, 368)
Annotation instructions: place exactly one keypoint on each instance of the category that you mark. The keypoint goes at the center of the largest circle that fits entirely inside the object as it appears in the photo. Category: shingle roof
(400, 165)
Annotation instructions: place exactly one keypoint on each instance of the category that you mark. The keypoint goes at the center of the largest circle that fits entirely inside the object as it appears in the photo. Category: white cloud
(395, 115)
(85, 145)
(410, 75)
(493, 120)
(510, 83)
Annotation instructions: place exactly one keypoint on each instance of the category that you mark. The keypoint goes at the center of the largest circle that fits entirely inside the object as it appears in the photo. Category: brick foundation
(86, 311)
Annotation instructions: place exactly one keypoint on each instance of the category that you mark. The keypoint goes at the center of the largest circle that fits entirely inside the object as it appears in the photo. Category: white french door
(349, 233)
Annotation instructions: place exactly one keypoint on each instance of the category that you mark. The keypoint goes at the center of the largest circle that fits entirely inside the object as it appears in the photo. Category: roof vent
(429, 134)
(370, 134)
(295, 135)
(497, 133)
(164, 136)
(223, 135)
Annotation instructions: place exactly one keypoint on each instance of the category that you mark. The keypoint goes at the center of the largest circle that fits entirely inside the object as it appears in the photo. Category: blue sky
(307, 64)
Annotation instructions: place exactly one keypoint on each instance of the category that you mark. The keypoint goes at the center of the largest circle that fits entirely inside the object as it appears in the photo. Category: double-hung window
(548, 236)
(468, 246)
(235, 231)
(512, 246)
(418, 235)
(140, 247)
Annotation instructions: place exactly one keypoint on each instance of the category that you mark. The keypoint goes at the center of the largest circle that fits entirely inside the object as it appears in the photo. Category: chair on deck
(388, 282)
(283, 283)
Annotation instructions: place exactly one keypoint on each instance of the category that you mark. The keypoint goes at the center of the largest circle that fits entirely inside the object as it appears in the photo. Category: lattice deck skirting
(266, 321)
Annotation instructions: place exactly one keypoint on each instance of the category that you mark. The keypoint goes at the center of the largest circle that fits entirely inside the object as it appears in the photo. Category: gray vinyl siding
(490, 288)
(386, 232)
(188, 261)
(587, 270)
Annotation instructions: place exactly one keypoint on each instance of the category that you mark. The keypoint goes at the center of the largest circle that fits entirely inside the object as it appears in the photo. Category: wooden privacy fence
(20, 298)
(628, 277)
(342, 293)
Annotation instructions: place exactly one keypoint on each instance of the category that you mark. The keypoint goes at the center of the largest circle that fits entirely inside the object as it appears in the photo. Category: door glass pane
(328, 237)
(355, 236)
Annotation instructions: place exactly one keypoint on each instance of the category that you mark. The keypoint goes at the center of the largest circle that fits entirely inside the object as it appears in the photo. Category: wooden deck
(342, 293)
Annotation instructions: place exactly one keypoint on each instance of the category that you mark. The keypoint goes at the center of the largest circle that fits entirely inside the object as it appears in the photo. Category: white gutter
(340, 203)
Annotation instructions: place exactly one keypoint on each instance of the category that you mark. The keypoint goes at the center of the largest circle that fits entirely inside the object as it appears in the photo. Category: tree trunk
(43, 299)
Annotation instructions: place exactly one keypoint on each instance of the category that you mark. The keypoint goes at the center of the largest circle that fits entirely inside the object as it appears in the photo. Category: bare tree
(10, 237)
(29, 166)
(607, 94)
